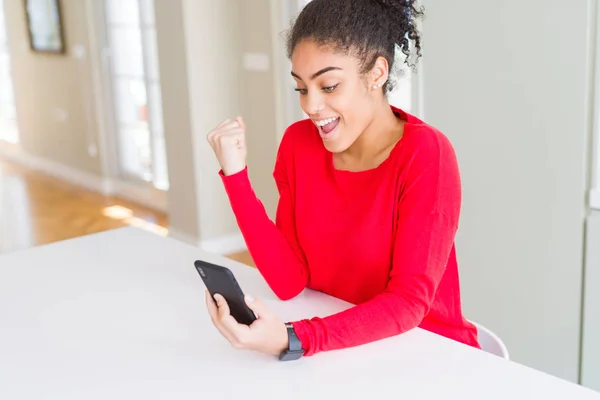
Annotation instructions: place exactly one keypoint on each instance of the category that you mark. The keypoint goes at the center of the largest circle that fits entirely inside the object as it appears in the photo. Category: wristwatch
(294, 350)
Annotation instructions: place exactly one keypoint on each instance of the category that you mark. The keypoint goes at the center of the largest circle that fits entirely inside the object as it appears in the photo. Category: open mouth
(327, 126)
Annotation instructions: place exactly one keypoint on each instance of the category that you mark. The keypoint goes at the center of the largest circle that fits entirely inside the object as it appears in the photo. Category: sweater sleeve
(427, 221)
(273, 246)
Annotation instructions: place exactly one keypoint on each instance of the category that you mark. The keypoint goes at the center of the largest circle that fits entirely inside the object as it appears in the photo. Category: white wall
(212, 50)
(590, 352)
(507, 82)
(201, 47)
(594, 198)
(183, 196)
(198, 49)
(258, 102)
(54, 109)
(590, 365)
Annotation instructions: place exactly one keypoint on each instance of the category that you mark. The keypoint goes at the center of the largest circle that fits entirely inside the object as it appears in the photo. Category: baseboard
(146, 196)
(222, 245)
(182, 237)
(57, 170)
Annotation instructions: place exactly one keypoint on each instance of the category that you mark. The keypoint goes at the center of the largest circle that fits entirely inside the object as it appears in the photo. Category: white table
(121, 315)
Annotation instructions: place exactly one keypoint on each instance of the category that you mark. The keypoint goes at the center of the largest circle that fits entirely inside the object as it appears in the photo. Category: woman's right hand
(228, 141)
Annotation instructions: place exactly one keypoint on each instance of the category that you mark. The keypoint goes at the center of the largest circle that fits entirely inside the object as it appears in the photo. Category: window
(402, 95)
(8, 115)
(136, 91)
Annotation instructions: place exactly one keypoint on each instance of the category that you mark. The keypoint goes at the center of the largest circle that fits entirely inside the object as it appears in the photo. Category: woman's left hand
(266, 334)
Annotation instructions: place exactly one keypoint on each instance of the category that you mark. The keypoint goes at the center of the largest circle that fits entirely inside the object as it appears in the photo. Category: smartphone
(219, 279)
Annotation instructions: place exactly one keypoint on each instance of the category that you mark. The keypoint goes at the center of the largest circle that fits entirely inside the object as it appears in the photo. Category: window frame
(149, 78)
(7, 124)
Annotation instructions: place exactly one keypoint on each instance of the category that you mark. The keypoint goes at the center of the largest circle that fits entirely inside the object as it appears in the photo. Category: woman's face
(339, 100)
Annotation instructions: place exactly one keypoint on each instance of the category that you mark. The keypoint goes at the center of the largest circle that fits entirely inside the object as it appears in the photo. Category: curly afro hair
(367, 29)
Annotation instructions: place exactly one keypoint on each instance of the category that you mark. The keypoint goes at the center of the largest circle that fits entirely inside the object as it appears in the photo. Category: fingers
(213, 135)
(225, 121)
(214, 313)
(211, 306)
(219, 131)
(240, 121)
(257, 306)
(229, 145)
(234, 137)
(228, 132)
(224, 322)
(223, 307)
(229, 124)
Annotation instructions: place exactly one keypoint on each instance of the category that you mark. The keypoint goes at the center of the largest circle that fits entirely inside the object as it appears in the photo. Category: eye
(330, 89)
(301, 91)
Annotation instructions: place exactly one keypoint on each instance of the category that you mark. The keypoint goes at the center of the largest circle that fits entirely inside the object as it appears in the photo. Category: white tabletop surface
(121, 315)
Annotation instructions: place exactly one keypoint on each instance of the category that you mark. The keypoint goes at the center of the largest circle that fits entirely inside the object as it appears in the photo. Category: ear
(379, 73)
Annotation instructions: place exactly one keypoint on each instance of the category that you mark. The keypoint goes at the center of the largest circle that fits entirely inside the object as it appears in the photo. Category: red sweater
(382, 239)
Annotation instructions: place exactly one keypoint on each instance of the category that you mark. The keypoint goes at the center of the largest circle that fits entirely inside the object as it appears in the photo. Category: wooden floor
(36, 209)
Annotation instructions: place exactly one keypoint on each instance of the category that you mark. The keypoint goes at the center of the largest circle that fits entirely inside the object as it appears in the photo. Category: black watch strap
(294, 350)
(295, 344)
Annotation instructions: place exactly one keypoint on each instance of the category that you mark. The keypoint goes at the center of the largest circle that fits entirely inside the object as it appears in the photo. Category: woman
(369, 195)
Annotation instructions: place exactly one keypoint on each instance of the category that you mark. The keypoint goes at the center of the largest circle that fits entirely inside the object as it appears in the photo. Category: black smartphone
(219, 279)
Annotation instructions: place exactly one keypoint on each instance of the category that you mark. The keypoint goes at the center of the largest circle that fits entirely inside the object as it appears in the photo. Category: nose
(313, 103)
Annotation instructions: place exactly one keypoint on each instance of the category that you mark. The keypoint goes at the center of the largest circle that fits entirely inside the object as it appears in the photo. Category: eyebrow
(320, 72)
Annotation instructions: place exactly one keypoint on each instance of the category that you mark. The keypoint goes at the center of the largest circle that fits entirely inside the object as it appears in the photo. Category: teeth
(324, 122)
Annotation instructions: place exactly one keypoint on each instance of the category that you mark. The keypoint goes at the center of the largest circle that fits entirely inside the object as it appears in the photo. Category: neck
(382, 133)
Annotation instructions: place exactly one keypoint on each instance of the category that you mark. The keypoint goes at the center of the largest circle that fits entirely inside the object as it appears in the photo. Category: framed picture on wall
(44, 23)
